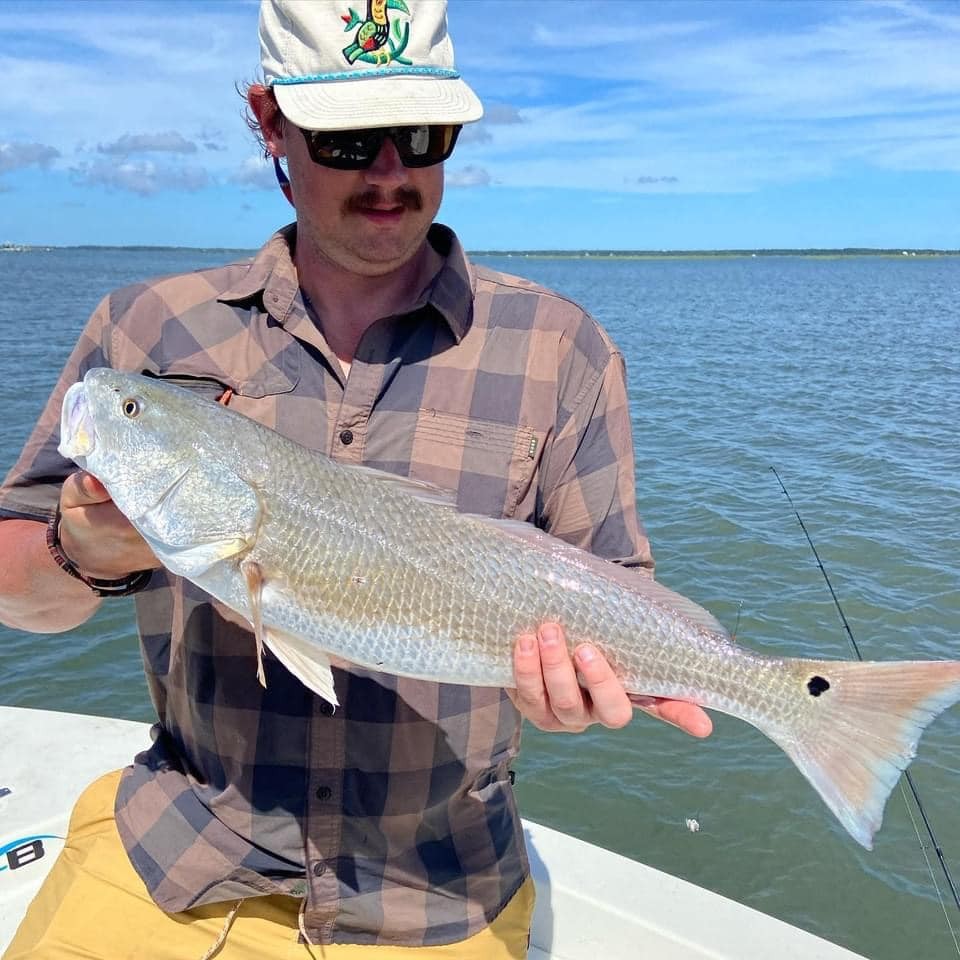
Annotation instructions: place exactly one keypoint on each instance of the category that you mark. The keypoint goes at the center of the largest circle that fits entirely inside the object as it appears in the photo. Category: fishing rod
(906, 773)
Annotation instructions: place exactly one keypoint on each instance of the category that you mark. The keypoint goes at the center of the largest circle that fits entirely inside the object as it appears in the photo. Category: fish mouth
(78, 436)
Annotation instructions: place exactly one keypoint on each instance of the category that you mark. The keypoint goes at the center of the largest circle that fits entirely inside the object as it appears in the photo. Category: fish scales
(328, 560)
(388, 588)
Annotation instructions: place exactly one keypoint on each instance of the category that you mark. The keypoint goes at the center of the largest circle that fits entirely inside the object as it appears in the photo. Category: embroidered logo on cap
(373, 42)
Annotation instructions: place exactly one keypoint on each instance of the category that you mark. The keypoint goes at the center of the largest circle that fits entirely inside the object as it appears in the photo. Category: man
(259, 821)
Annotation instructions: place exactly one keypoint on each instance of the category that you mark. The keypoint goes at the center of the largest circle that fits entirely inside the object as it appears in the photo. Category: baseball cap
(333, 67)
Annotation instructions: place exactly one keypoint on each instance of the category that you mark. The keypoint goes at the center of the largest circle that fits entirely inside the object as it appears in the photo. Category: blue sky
(625, 124)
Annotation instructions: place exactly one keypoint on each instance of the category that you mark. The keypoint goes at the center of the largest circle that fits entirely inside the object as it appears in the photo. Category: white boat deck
(591, 904)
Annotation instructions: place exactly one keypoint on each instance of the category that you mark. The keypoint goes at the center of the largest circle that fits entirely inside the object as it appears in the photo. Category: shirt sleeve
(589, 491)
(31, 489)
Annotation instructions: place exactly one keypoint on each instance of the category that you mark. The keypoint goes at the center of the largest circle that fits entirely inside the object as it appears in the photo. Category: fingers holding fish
(549, 693)
(688, 717)
(558, 693)
(563, 694)
(95, 535)
(530, 696)
(609, 703)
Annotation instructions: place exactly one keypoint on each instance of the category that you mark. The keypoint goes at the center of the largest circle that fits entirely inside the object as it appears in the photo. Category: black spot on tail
(817, 685)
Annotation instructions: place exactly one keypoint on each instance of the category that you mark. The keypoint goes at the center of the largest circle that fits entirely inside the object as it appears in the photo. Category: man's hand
(549, 694)
(95, 535)
(35, 594)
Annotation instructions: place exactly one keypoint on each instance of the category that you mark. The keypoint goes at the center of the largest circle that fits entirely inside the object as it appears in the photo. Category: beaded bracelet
(102, 588)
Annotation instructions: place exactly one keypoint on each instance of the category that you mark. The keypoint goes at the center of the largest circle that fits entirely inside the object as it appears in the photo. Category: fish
(326, 560)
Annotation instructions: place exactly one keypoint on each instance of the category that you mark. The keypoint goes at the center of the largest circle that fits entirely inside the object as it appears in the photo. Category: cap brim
(377, 102)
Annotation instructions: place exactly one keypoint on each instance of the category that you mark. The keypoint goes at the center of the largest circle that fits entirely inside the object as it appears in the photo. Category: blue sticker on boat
(23, 852)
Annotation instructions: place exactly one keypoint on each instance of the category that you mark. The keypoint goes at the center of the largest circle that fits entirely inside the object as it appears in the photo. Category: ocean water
(844, 375)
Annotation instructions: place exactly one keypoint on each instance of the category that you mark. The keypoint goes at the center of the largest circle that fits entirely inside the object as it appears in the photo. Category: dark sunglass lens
(423, 146)
(420, 146)
(343, 149)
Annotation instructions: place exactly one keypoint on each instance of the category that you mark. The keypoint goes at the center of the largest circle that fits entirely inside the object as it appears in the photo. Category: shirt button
(324, 793)
(326, 709)
(319, 869)
(346, 437)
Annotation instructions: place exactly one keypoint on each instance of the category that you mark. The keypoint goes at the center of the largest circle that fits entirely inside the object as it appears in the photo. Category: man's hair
(265, 94)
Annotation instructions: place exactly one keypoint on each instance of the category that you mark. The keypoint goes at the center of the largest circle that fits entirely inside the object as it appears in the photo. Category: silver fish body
(325, 559)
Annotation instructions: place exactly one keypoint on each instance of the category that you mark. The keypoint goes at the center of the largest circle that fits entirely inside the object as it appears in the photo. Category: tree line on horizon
(732, 252)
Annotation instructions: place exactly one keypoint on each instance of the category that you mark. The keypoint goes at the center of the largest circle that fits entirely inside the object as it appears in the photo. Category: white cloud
(14, 156)
(169, 142)
(498, 113)
(475, 133)
(494, 114)
(211, 139)
(469, 176)
(595, 31)
(143, 177)
(647, 180)
(255, 173)
(916, 11)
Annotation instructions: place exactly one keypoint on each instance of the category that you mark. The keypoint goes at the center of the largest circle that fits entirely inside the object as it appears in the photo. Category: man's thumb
(82, 488)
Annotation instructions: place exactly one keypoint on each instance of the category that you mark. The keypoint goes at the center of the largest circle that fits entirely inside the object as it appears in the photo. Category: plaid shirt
(393, 817)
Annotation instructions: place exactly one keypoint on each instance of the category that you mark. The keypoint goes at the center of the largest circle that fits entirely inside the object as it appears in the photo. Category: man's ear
(263, 106)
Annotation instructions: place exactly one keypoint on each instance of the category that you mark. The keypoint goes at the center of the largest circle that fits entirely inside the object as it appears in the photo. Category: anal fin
(308, 663)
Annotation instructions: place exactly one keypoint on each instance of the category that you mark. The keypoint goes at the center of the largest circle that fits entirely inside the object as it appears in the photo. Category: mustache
(407, 197)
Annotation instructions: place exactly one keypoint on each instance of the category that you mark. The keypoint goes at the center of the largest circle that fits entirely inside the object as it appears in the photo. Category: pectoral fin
(253, 575)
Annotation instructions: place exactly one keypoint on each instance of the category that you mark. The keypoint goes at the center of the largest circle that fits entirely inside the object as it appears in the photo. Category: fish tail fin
(860, 729)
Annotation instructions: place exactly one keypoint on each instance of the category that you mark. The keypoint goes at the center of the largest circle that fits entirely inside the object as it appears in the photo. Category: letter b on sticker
(26, 854)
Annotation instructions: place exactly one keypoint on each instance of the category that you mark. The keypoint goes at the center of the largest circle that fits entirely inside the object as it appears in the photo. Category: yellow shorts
(93, 905)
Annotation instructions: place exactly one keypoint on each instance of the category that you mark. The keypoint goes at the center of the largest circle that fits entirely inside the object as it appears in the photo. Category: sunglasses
(421, 146)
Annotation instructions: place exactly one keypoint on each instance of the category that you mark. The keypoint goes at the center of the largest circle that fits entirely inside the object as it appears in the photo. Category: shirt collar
(453, 287)
(271, 276)
(272, 279)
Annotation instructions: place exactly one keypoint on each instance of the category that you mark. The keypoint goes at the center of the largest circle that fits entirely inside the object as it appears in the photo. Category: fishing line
(906, 773)
(933, 876)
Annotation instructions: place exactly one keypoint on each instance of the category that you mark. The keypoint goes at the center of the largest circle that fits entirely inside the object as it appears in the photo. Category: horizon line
(13, 246)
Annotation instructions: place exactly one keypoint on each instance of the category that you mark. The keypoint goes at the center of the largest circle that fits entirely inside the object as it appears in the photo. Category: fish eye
(131, 408)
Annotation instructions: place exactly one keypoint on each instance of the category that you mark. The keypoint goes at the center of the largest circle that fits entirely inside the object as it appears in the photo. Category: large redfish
(324, 559)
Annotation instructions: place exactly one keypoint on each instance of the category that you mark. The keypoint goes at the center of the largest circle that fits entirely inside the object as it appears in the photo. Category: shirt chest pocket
(213, 353)
(256, 394)
(492, 466)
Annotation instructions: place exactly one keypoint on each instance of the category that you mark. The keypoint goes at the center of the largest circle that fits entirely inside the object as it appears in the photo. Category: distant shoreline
(825, 253)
